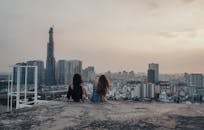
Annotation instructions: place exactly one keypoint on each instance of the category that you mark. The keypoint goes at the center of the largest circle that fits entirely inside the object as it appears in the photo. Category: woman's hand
(81, 101)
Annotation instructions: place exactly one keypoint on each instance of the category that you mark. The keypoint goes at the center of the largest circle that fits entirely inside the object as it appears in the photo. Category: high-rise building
(31, 71)
(150, 76)
(62, 72)
(153, 73)
(65, 70)
(50, 62)
(195, 83)
(22, 73)
(89, 74)
(195, 80)
(74, 66)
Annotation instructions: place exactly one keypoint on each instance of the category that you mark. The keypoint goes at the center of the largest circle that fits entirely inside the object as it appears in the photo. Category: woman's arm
(103, 99)
(84, 92)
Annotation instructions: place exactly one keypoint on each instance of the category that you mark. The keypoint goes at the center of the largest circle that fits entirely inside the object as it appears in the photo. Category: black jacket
(75, 92)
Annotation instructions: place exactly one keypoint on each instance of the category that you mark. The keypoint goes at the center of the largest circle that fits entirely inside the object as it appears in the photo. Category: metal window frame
(17, 93)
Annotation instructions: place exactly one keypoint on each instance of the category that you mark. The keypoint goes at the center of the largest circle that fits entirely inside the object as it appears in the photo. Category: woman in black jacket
(75, 89)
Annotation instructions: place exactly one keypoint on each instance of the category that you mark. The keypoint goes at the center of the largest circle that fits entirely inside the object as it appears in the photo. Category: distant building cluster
(89, 74)
(60, 72)
(152, 85)
(67, 69)
(132, 90)
(195, 84)
(128, 85)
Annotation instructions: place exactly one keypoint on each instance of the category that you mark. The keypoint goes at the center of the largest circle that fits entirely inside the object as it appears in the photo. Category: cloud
(153, 5)
(187, 1)
(188, 32)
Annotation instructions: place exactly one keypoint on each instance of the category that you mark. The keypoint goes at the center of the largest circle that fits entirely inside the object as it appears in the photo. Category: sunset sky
(111, 35)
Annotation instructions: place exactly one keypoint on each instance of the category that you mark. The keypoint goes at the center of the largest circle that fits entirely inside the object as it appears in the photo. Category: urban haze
(111, 35)
(102, 64)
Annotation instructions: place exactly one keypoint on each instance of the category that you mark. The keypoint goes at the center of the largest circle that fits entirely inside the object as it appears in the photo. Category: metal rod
(25, 89)
(11, 93)
(18, 87)
(8, 91)
(36, 83)
(24, 66)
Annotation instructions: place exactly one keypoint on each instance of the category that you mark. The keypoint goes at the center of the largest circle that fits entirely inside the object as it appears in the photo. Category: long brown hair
(103, 85)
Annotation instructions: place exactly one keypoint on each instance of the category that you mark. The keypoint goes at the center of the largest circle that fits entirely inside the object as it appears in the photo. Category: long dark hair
(77, 80)
(103, 85)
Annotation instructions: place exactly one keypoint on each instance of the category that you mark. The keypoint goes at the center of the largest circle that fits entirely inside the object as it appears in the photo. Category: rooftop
(58, 115)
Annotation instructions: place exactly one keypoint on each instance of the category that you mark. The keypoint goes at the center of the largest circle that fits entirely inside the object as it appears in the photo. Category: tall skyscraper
(50, 62)
(62, 72)
(153, 73)
(150, 76)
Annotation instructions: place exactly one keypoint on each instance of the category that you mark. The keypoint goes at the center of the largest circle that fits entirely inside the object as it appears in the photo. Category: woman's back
(100, 89)
(96, 96)
(75, 89)
(75, 92)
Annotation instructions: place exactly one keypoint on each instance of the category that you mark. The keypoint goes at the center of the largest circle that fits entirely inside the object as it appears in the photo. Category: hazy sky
(112, 35)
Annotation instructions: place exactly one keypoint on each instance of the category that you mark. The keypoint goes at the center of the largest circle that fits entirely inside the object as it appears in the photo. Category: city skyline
(112, 35)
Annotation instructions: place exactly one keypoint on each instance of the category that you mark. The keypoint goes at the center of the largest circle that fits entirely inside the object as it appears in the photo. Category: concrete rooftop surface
(59, 115)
